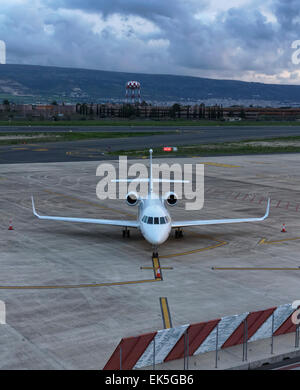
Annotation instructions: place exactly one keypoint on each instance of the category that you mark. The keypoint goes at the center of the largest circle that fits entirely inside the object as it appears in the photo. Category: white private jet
(154, 220)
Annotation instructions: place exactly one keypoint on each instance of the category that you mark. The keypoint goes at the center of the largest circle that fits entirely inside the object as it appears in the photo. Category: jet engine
(132, 199)
(171, 198)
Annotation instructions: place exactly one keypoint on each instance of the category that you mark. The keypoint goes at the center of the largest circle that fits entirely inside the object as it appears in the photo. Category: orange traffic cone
(158, 274)
(10, 226)
(283, 230)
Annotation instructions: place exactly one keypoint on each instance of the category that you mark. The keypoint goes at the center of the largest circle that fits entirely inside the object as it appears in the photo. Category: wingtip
(33, 207)
(268, 208)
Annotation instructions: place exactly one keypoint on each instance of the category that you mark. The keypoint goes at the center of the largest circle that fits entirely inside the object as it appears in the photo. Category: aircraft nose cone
(156, 241)
(153, 239)
(157, 237)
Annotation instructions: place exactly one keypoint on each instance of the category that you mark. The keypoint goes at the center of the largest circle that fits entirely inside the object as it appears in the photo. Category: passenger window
(145, 219)
(150, 220)
(156, 221)
(162, 220)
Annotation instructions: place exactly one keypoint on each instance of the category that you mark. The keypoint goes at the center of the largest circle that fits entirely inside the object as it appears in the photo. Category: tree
(128, 111)
(6, 104)
(78, 108)
(242, 114)
(202, 111)
(175, 110)
(154, 113)
(188, 108)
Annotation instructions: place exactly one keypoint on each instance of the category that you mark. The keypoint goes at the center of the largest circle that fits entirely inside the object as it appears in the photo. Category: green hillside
(29, 82)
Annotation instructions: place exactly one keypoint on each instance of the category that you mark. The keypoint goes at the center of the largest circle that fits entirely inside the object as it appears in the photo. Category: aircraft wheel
(178, 233)
(126, 233)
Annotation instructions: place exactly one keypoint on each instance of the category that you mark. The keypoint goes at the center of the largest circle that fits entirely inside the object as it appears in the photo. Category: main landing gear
(178, 233)
(126, 232)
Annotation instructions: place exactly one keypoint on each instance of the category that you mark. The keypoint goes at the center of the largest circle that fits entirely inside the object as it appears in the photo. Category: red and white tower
(133, 92)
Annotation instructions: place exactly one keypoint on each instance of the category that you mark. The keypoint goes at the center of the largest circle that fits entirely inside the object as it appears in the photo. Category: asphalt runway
(211, 133)
(94, 150)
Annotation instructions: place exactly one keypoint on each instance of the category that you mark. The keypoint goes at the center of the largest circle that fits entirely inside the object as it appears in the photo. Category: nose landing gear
(155, 252)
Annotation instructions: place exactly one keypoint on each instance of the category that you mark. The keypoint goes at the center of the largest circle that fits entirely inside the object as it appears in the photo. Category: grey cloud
(238, 41)
(287, 13)
(150, 9)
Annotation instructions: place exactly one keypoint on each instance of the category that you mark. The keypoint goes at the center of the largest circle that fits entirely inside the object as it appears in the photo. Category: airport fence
(148, 350)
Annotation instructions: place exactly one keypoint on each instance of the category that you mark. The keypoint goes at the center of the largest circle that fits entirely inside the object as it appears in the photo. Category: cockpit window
(155, 220)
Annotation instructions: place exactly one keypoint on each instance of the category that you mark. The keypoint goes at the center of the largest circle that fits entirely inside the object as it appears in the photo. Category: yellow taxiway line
(67, 286)
(165, 313)
(264, 241)
(220, 243)
(255, 269)
(155, 268)
(221, 165)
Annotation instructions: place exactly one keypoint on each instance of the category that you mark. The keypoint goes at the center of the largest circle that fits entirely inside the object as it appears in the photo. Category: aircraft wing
(124, 223)
(178, 224)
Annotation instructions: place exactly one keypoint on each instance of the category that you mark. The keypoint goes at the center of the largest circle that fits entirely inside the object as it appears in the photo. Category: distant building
(147, 111)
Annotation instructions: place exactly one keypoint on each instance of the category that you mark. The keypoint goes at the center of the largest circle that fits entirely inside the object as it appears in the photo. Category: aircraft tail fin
(150, 180)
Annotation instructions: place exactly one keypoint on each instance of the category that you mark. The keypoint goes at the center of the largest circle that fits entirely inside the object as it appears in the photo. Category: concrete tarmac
(72, 291)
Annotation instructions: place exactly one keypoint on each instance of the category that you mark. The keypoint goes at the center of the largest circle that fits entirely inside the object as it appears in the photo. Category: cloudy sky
(247, 40)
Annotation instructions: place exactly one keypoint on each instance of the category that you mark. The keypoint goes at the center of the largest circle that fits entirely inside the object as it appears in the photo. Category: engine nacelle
(132, 199)
(171, 198)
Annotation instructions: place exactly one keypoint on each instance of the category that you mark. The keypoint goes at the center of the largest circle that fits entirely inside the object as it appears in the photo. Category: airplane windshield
(155, 220)
(162, 220)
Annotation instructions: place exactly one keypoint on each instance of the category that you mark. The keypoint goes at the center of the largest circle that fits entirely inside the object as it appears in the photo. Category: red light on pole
(167, 149)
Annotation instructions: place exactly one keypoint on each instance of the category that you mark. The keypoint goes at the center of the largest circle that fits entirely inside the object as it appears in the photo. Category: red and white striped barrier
(169, 344)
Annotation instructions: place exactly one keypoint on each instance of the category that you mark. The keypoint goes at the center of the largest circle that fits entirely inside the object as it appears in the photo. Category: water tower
(133, 92)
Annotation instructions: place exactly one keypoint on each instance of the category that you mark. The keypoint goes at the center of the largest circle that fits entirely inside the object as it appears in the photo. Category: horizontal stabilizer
(141, 180)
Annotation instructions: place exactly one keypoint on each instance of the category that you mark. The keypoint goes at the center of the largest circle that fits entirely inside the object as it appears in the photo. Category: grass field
(259, 146)
(41, 137)
(160, 123)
